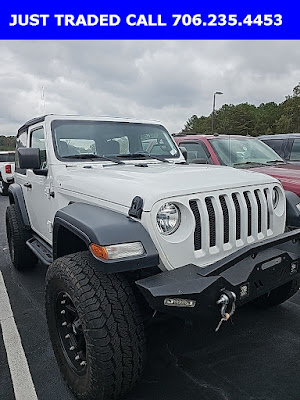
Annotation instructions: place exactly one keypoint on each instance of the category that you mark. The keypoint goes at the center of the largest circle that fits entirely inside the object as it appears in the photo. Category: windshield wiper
(248, 163)
(276, 162)
(87, 156)
(142, 155)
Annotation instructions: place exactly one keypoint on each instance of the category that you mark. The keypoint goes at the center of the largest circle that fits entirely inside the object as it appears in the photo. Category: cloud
(165, 80)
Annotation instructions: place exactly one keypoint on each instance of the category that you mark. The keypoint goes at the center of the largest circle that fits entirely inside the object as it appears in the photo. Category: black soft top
(31, 122)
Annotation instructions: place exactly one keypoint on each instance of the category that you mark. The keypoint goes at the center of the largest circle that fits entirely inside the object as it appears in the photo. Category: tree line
(7, 142)
(248, 119)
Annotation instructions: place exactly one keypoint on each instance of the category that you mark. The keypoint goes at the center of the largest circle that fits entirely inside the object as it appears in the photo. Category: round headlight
(275, 197)
(168, 219)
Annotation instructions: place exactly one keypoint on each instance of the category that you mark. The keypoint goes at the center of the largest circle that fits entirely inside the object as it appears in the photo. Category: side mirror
(184, 152)
(29, 158)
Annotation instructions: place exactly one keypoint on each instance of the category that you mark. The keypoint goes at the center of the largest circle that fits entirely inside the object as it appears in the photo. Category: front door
(37, 190)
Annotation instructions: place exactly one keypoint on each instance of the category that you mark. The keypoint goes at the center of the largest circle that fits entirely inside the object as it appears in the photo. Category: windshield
(7, 157)
(237, 152)
(111, 139)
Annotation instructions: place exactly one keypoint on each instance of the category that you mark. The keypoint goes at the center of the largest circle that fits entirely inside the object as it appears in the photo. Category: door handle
(28, 185)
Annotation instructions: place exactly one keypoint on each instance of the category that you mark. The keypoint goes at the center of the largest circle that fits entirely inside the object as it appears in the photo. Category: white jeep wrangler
(7, 168)
(125, 223)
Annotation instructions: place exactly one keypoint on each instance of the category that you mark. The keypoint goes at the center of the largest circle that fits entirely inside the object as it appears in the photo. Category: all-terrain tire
(3, 187)
(104, 358)
(20, 254)
(278, 295)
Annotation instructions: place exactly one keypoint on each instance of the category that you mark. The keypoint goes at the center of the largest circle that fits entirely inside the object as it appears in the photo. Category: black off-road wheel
(95, 327)
(3, 187)
(279, 295)
(20, 254)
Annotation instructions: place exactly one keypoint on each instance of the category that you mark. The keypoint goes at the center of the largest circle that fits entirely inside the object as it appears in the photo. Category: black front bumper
(249, 272)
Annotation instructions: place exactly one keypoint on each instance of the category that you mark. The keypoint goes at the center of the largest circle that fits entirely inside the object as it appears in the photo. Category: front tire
(20, 254)
(95, 328)
(279, 295)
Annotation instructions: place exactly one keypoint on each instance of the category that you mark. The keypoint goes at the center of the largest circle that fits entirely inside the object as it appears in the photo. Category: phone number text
(229, 19)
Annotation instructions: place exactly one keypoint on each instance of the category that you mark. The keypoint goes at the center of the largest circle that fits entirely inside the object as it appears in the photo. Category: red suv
(240, 152)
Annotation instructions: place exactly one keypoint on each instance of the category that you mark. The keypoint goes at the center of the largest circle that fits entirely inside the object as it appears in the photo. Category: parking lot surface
(254, 357)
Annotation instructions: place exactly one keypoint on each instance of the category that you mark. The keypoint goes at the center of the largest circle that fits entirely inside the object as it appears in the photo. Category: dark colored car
(286, 145)
(240, 152)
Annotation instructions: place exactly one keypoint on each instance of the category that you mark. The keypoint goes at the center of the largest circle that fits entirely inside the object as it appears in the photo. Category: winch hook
(227, 299)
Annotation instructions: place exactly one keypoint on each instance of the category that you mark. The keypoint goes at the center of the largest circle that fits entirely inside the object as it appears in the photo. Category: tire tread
(114, 329)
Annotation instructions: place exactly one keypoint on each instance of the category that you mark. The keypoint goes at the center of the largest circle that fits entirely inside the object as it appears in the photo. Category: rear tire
(278, 295)
(104, 356)
(20, 254)
(3, 187)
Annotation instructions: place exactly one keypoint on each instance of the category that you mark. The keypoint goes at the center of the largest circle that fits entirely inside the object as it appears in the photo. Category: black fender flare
(94, 224)
(292, 212)
(16, 197)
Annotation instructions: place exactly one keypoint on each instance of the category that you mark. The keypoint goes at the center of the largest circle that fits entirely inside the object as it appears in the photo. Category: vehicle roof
(42, 118)
(222, 136)
(280, 136)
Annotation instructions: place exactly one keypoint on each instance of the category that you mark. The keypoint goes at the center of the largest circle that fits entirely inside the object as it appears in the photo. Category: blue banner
(152, 20)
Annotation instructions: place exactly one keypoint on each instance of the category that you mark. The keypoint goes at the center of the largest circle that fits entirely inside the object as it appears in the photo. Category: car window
(38, 141)
(21, 141)
(195, 151)
(111, 139)
(275, 144)
(7, 157)
(239, 152)
(295, 152)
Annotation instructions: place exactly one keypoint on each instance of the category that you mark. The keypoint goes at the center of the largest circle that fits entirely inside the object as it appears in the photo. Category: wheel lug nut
(63, 311)
(64, 295)
(77, 357)
(63, 302)
(72, 348)
(67, 336)
(64, 324)
(83, 363)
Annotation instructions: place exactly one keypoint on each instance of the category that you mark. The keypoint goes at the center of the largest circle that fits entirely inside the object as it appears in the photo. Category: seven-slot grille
(227, 218)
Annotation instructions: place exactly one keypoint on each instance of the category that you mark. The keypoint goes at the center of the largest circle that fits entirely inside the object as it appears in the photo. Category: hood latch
(136, 208)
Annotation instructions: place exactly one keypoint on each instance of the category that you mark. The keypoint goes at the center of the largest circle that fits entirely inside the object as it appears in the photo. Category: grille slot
(259, 210)
(225, 218)
(238, 216)
(197, 232)
(246, 196)
(212, 221)
(268, 211)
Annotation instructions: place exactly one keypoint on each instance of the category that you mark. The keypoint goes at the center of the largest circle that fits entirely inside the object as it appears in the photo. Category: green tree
(7, 143)
(200, 125)
(289, 116)
(236, 120)
(247, 119)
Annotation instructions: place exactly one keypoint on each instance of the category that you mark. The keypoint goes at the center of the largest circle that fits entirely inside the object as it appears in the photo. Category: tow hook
(227, 299)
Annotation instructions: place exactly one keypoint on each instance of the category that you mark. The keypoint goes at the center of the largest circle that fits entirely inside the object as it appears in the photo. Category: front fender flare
(94, 224)
(292, 212)
(16, 197)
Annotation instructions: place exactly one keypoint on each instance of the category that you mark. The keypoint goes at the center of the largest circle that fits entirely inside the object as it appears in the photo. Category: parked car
(286, 145)
(7, 168)
(127, 226)
(240, 152)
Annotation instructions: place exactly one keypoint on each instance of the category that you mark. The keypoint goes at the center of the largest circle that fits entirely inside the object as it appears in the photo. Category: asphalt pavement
(254, 357)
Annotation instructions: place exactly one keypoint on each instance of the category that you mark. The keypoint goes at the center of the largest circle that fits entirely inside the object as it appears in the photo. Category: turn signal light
(99, 251)
(117, 251)
(8, 169)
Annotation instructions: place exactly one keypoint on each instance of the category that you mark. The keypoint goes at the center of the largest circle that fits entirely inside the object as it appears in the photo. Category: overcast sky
(163, 80)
